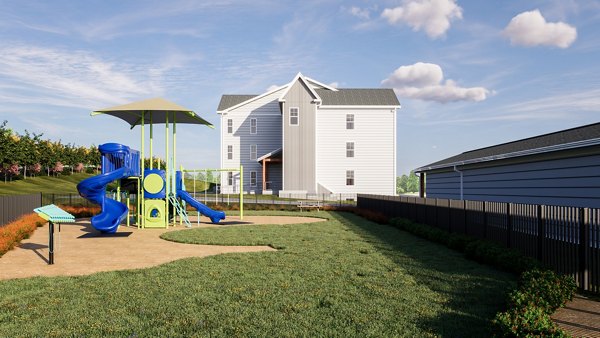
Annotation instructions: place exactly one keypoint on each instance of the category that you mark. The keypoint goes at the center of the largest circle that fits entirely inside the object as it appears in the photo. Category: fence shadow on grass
(472, 293)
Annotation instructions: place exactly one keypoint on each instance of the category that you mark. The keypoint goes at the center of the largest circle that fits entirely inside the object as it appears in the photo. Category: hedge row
(539, 293)
(14, 232)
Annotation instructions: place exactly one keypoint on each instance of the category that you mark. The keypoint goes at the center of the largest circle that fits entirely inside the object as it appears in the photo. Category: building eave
(528, 152)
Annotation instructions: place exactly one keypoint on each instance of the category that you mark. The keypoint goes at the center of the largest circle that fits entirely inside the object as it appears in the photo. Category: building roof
(326, 95)
(358, 97)
(565, 139)
(228, 101)
(277, 153)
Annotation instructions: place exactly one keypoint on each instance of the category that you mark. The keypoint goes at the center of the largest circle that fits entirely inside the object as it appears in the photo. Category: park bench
(310, 204)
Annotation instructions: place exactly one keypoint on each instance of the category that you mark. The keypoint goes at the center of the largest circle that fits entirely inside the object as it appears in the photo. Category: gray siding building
(309, 138)
(561, 168)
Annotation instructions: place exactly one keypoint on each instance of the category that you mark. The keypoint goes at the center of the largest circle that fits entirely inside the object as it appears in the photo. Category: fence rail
(13, 207)
(567, 239)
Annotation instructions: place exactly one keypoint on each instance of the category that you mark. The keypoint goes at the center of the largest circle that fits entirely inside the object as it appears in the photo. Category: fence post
(485, 220)
(541, 233)
(509, 225)
(464, 217)
(41, 199)
(70, 199)
(584, 242)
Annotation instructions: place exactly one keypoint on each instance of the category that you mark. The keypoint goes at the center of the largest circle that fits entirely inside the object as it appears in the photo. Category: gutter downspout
(461, 182)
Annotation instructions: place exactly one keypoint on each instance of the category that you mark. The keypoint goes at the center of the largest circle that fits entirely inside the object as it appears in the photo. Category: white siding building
(309, 138)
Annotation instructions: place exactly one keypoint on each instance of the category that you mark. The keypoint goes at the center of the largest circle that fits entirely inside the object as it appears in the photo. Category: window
(294, 116)
(349, 177)
(229, 178)
(253, 152)
(252, 126)
(230, 152)
(229, 126)
(349, 121)
(253, 178)
(349, 149)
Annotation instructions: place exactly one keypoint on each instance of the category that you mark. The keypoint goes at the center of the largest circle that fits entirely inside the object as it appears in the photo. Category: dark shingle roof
(228, 101)
(583, 133)
(341, 97)
(358, 97)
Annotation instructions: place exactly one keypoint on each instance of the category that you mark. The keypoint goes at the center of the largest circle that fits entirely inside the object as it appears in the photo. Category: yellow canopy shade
(157, 108)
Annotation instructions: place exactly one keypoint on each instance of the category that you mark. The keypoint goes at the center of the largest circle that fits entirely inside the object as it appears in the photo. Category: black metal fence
(567, 239)
(13, 207)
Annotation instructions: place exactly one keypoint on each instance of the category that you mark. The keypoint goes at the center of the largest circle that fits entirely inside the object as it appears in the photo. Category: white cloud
(425, 81)
(272, 87)
(432, 16)
(334, 84)
(361, 13)
(532, 29)
(67, 78)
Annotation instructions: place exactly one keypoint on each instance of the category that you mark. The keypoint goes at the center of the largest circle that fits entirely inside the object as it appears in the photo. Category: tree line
(407, 183)
(28, 154)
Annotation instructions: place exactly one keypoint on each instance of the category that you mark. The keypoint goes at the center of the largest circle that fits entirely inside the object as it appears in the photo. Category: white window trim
(255, 153)
(230, 152)
(297, 118)
(353, 121)
(255, 126)
(353, 178)
(353, 149)
(228, 126)
(230, 178)
(255, 178)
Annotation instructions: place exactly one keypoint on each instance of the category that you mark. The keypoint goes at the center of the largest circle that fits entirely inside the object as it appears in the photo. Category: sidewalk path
(580, 317)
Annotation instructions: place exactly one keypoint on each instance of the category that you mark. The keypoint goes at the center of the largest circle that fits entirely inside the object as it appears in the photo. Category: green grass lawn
(344, 277)
(63, 184)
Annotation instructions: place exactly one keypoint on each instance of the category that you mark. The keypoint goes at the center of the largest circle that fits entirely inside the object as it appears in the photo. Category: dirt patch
(81, 250)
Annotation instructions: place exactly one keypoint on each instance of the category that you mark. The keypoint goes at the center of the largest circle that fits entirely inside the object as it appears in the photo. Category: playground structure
(160, 193)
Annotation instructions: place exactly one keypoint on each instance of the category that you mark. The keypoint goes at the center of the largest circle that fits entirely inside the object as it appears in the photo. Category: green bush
(459, 242)
(528, 321)
(539, 294)
(543, 288)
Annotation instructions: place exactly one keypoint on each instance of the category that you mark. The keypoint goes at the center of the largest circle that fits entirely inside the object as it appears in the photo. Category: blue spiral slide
(113, 212)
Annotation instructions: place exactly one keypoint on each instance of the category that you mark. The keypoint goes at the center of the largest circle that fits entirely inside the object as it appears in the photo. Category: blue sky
(468, 74)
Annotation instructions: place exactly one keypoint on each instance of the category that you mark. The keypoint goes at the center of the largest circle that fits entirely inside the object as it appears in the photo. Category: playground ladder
(180, 210)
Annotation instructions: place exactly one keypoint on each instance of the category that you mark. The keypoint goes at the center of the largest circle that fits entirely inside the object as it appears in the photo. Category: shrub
(528, 321)
(81, 211)
(372, 216)
(459, 242)
(14, 232)
(543, 288)
(539, 294)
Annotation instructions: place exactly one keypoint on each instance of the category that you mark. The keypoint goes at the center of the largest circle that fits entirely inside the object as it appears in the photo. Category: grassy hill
(44, 184)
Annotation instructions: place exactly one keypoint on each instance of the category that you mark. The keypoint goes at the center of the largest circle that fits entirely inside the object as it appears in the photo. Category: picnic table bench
(310, 204)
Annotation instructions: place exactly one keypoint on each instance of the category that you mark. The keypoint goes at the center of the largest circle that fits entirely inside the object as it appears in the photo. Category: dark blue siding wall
(566, 182)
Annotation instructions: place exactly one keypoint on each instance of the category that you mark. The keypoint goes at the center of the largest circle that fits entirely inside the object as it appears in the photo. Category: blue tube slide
(94, 190)
(116, 164)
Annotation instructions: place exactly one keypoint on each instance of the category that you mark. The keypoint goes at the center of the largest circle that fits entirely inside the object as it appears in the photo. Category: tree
(407, 183)
(413, 183)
